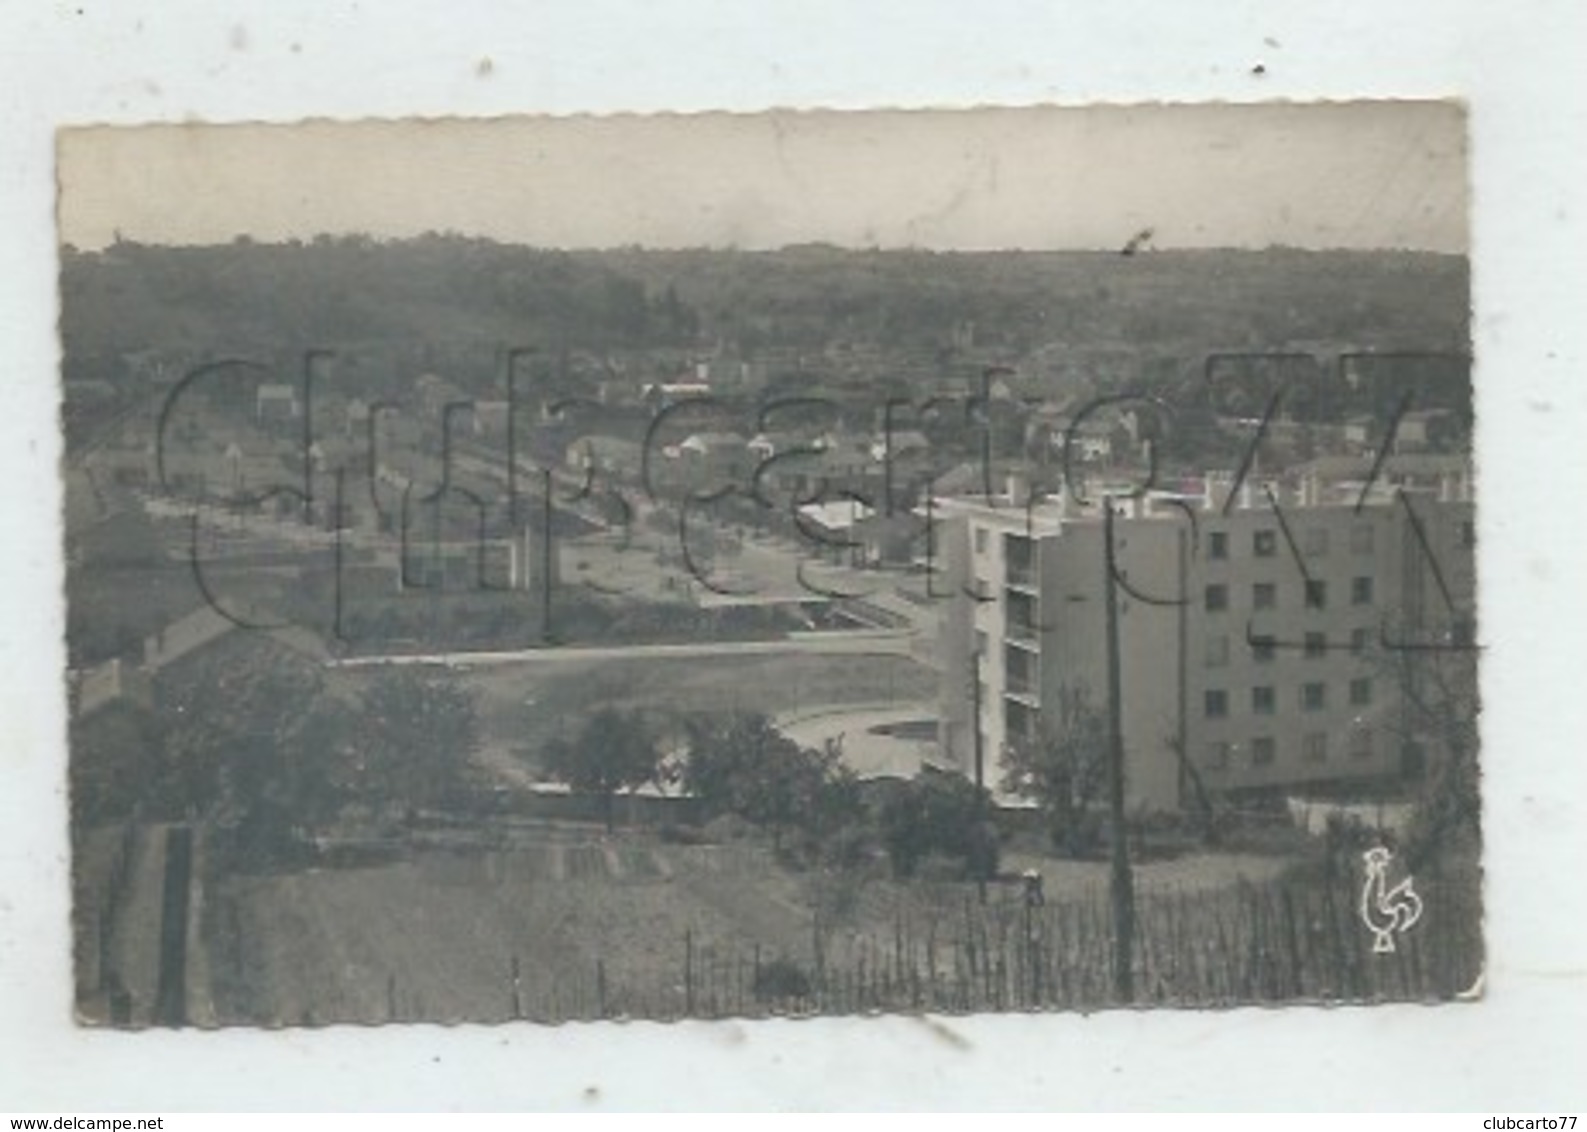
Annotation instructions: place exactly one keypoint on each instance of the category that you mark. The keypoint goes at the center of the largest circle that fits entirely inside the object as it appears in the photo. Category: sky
(1321, 175)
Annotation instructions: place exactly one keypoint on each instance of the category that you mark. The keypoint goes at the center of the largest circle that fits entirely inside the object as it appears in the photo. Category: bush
(943, 815)
(683, 835)
(781, 980)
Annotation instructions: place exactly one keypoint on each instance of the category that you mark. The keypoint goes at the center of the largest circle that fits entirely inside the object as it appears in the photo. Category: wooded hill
(247, 296)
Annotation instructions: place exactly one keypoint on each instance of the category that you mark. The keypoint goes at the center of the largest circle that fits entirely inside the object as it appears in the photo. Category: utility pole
(1121, 885)
(980, 763)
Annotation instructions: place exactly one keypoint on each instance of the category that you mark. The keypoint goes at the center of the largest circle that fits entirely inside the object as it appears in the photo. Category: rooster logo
(1386, 911)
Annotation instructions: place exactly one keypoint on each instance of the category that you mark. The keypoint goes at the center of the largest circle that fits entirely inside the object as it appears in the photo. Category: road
(854, 642)
(861, 730)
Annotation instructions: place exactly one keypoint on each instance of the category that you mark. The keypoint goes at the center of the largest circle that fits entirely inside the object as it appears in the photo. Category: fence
(1280, 942)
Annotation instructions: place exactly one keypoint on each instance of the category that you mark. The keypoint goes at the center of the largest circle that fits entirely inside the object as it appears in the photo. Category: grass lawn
(521, 707)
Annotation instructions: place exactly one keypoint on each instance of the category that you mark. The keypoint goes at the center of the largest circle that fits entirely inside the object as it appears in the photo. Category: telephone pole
(980, 765)
(1121, 886)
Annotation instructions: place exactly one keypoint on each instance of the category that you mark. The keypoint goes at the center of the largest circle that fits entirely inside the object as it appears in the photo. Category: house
(829, 526)
(490, 419)
(356, 417)
(276, 403)
(114, 682)
(1360, 433)
(1092, 440)
(611, 455)
(764, 445)
(435, 393)
(886, 540)
(659, 394)
(899, 443)
(707, 444)
(1426, 430)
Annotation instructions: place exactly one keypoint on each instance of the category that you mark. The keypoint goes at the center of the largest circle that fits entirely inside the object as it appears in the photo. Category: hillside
(247, 297)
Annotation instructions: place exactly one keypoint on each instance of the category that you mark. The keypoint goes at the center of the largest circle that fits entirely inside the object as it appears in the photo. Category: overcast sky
(1343, 175)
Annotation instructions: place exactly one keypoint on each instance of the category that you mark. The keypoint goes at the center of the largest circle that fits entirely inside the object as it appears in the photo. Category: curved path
(865, 751)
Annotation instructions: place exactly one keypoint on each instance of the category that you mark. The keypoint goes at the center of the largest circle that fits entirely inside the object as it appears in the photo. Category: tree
(294, 781)
(1063, 770)
(796, 788)
(417, 734)
(1436, 676)
(614, 751)
(254, 744)
(115, 762)
(724, 755)
(744, 765)
(940, 815)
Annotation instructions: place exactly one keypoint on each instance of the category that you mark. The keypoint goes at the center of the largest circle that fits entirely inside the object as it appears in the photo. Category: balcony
(1021, 724)
(1023, 689)
(1021, 575)
(1023, 633)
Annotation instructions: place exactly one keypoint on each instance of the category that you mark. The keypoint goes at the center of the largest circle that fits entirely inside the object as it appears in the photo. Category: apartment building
(1260, 637)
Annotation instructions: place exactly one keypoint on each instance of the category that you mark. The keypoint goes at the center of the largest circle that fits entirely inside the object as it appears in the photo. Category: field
(559, 925)
(612, 927)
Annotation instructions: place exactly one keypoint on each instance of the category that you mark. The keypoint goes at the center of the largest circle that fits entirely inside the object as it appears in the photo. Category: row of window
(1313, 646)
(1264, 595)
(1264, 698)
(1313, 542)
(1221, 755)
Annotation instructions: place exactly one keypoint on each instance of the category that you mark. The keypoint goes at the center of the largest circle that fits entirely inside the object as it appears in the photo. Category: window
(1316, 594)
(1217, 598)
(1361, 743)
(980, 540)
(1464, 633)
(1314, 697)
(1263, 751)
(1361, 590)
(1468, 534)
(1019, 720)
(1264, 544)
(1316, 542)
(1218, 545)
(1315, 747)
(1263, 700)
(1361, 538)
(1264, 595)
(1217, 652)
(1263, 649)
(1216, 702)
(1359, 639)
(981, 643)
(1217, 756)
(1361, 691)
(1316, 645)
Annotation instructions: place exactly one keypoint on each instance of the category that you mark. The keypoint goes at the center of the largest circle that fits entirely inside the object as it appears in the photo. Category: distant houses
(275, 403)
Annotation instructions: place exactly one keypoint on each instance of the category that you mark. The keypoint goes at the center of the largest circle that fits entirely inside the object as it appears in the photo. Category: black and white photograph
(732, 566)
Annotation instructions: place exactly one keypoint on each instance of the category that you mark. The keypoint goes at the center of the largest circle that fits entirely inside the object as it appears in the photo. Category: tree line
(353, 287)
(816, 811)
(254, 741)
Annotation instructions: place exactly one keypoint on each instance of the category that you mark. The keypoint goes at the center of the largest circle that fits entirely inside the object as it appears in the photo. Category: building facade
(1265, 643)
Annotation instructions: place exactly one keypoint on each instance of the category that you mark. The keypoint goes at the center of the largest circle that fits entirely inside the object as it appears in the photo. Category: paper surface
(1129, 235)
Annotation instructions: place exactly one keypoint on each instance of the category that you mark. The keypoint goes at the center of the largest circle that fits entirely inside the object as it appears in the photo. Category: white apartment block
(1260, 641)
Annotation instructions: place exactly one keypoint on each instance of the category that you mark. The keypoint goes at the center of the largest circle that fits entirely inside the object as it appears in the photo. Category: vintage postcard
(726, 566)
